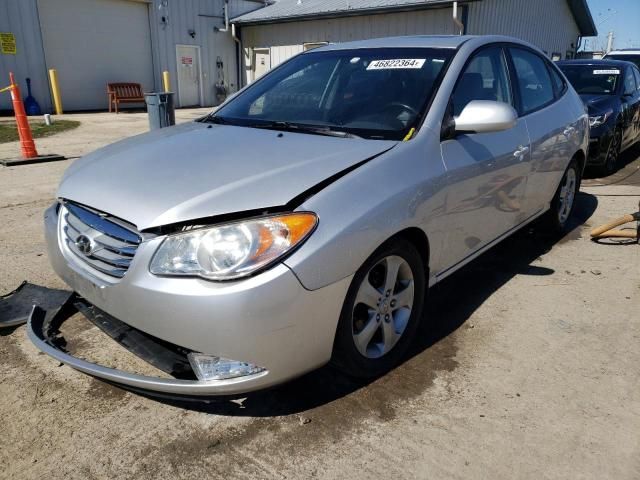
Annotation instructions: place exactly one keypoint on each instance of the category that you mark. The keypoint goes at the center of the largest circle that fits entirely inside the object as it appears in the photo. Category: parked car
(611, 91)
(627, 55)
(282, 233)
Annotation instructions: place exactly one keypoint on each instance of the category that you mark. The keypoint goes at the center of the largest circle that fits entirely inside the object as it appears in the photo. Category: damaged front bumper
(44, 331)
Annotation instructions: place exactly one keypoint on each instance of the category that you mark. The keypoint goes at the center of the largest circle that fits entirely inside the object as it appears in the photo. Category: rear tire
(381, 312)
(563, 202)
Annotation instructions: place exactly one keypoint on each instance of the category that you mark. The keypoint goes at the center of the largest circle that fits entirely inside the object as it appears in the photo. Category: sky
(620, 16)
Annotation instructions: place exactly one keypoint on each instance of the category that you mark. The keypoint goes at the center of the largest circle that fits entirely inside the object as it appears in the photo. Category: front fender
(402, 188)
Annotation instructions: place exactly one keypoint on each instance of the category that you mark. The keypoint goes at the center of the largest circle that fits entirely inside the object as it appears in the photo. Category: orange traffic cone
(27, 145)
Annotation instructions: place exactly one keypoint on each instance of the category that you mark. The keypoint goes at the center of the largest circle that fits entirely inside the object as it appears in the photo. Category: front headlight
(232, 250)
(597, 120)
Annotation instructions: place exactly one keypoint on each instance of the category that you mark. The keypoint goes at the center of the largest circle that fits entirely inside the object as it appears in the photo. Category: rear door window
(558, 82)
(533, 80)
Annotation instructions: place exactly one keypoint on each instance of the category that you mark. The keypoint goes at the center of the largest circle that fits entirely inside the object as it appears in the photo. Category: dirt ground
(528, 367)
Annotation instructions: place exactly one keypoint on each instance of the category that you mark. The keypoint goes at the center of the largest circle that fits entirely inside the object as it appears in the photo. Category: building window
(311, 45)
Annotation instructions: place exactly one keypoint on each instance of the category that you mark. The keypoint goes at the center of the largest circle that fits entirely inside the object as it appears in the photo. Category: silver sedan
(303, 222)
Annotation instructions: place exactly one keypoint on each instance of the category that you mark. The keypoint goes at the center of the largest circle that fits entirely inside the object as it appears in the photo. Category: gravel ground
(528, 368)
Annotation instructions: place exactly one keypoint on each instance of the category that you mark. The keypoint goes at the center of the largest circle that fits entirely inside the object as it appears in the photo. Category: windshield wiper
(212, 118)
(297, 127)
(286, 126)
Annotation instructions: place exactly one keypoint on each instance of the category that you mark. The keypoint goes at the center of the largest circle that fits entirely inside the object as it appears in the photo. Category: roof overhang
(583, 17)
(579, 8)
(352, 12)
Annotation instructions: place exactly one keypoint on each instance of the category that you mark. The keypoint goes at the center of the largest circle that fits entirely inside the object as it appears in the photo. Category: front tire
(381, 312)
(611, 163)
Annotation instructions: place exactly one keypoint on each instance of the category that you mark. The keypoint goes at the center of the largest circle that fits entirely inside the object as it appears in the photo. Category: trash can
(160, 109)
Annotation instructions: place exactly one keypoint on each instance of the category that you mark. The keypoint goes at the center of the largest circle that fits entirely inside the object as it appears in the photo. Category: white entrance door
(188, 60)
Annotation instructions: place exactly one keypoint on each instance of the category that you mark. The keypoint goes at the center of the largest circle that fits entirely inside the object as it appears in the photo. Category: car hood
(198, 170)
(598, 103)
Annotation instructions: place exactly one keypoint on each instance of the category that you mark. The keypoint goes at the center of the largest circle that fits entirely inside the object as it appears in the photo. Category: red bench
(124, 93)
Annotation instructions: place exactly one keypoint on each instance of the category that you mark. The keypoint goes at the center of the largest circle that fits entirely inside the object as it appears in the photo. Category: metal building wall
(548, 24)
(287, 39)
(20, 17)
(201, 16)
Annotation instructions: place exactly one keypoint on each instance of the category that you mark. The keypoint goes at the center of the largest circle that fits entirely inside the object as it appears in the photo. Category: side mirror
(485, 116)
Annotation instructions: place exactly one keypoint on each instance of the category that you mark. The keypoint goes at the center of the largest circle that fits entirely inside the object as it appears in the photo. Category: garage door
(93, 42)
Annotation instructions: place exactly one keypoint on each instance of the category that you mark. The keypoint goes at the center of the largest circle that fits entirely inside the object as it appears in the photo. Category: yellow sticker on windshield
(394, 63)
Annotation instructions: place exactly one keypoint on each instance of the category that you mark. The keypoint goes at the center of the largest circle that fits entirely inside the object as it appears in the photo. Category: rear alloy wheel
(568, 190)
(381, 311)
(614, 152)
(563, 201)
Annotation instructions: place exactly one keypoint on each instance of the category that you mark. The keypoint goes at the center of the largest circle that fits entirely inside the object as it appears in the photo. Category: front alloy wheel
(381, 311)
(383, 306)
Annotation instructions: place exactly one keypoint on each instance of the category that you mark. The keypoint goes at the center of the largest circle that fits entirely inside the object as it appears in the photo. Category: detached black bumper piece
(16, 306)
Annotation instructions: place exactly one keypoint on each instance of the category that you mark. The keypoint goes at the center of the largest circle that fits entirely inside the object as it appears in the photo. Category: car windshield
(370, 93)
(593, 79)
(626, 58)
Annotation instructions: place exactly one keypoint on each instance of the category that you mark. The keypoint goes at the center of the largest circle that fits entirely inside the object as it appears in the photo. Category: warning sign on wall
(7, 43)
(187, 60)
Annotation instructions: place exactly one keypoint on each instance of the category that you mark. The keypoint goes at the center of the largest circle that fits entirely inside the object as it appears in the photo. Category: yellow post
(55, 89)
(166, 82)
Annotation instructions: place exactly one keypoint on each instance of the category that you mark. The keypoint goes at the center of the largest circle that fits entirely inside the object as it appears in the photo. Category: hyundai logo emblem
(84, 244)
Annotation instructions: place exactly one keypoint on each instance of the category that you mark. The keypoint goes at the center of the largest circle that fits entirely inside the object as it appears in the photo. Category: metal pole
(166, 81)
(457, 22)
(55, 90)
(609, 42)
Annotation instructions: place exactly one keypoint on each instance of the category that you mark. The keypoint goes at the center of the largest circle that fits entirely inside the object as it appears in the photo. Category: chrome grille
(101, 241)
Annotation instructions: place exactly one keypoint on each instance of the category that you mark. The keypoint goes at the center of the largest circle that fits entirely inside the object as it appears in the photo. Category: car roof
(420, 41)
(625, 51)
(595, 63)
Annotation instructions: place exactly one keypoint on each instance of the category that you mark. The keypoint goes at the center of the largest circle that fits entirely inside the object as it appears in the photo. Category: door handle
(521, 152)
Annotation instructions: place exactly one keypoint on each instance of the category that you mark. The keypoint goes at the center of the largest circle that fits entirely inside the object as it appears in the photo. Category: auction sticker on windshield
(606, 72)
(396, 63)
